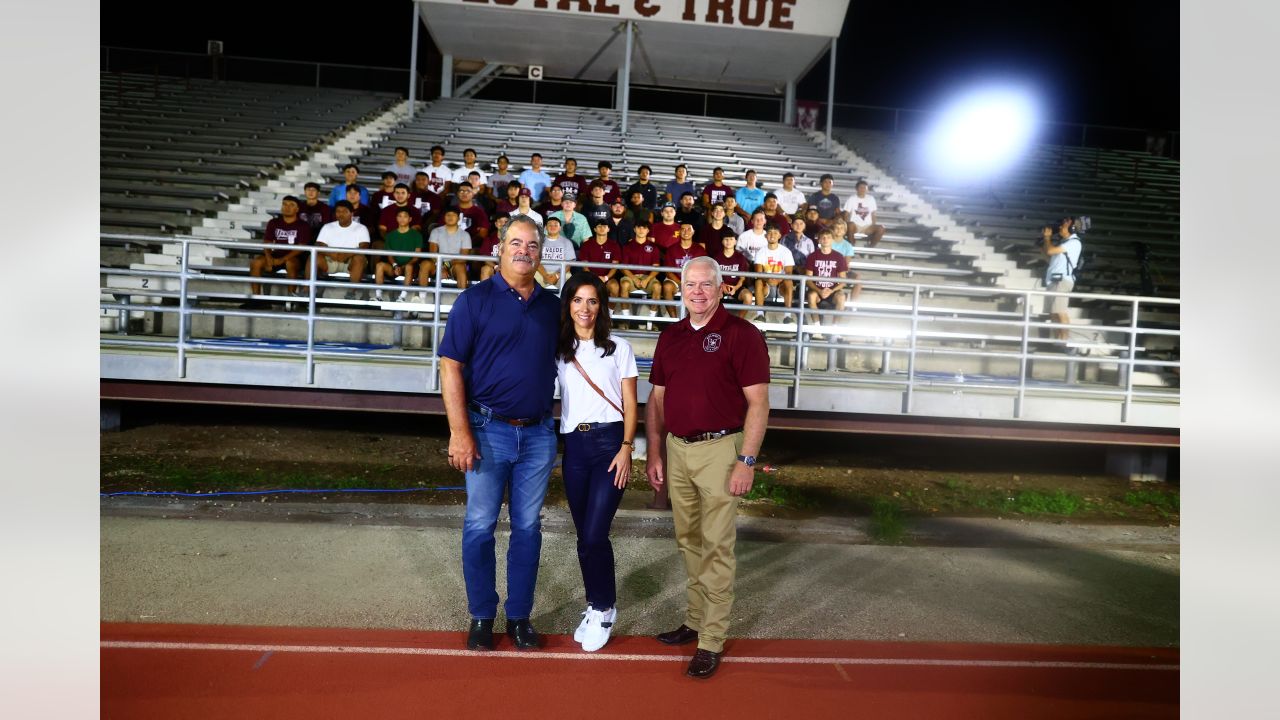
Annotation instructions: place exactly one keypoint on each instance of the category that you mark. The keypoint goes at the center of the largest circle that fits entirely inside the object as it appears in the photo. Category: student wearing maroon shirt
(733, 287)
(573, 183)
(611, 189)
(427, 201)
(640, 252)
(774, 214)
(472, 217)
(600, 249)
(383, 196)
(711, 233)
(490, 246)
(666, 232)
(710, 381)
(827, 263)
(387, 217)
(555, 199)
(312, 211)
(717, 191)
(287, 230)
(676, 256)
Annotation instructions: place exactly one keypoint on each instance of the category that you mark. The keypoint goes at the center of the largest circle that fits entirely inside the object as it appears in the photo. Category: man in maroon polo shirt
(288, 230)
(705, 419)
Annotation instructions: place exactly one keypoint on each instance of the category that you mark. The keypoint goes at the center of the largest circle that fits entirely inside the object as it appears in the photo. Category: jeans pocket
(476, 420)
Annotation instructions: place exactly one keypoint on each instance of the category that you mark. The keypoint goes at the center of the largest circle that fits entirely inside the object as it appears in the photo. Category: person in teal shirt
(750, 197)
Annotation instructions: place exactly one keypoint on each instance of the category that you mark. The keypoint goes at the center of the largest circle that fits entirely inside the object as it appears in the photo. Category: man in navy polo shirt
(498, 373)
(705, 419)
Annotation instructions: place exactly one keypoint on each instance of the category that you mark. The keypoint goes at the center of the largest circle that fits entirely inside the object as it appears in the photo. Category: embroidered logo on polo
(711, 342)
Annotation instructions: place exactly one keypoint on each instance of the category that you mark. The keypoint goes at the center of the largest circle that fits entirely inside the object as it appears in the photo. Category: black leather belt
(518, 422)
(588, 427)
(713, 435)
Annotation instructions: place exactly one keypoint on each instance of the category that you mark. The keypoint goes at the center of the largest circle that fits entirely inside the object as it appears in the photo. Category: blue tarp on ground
(235, 342)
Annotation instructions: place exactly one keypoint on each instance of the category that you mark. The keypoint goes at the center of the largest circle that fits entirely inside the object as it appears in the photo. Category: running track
(197, 671)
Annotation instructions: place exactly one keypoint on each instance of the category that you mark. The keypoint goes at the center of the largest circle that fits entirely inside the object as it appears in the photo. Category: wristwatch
(748, 460)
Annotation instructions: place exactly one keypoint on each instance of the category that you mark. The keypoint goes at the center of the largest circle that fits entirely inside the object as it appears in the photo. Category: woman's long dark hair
(567, 348)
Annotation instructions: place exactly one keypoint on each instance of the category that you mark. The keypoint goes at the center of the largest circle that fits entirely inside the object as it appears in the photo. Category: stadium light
(982, 132)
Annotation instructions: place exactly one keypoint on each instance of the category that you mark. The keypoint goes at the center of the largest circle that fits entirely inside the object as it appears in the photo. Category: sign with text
(810, 17)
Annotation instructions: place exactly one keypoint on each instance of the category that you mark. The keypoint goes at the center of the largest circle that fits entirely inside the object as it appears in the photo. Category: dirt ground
(804, 473)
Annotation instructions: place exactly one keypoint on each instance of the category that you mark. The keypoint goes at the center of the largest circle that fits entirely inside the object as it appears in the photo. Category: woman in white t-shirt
(597, 376)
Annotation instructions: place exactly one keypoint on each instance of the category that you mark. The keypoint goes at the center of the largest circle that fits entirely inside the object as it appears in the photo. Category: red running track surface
(197, 671)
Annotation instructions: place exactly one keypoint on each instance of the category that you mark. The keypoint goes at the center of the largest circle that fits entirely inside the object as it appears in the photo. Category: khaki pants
(705, 516)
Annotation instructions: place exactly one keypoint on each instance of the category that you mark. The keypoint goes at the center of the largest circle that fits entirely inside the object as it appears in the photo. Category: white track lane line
(445, 652)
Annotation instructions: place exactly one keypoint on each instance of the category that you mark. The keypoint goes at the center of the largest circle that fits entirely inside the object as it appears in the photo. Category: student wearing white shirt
(753, 239)
(597, 375)
(438, 174)
(774, 258)
(469, 166)
(860, 209)
(789, 198)
(344, 234)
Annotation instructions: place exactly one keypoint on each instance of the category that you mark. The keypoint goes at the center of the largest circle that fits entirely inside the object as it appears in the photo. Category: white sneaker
(377, 295)
(402, 296)
(582, 626)
(599, 626)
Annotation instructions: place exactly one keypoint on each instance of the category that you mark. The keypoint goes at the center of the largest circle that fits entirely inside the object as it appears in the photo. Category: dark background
(1109, 62)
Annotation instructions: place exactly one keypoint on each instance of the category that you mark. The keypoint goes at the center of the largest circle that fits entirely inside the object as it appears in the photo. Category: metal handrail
(796, 341)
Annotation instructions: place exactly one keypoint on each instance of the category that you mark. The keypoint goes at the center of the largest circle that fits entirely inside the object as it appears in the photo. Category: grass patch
(1166, 501)
(887, 525)
(1034, 502)
(779, 495)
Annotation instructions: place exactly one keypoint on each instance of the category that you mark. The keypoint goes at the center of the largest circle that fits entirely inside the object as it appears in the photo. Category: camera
(1078, 225)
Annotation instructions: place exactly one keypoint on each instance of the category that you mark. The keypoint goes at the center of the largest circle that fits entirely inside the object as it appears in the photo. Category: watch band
(748, 460)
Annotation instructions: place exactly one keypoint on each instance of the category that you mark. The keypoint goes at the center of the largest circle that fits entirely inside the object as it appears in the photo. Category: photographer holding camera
(1063, 249)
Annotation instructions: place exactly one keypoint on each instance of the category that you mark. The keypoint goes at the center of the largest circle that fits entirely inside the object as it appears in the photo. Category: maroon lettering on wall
(688, 11)
(540, 4)
(646, 8)
(751, 13)
(583, 5)
(604, 7)
(504, 2)
(780, 19)
(720, 11)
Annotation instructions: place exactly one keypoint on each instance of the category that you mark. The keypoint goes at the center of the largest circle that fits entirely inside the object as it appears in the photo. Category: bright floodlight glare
(982, 132)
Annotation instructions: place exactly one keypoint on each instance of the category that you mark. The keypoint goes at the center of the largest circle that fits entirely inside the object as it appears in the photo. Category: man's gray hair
(525, 220)
(702, 260)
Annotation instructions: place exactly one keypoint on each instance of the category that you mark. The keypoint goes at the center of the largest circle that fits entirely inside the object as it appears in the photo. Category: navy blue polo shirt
(507, 346)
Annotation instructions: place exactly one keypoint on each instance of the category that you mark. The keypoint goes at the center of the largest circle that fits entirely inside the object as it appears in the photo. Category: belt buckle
(584, 427)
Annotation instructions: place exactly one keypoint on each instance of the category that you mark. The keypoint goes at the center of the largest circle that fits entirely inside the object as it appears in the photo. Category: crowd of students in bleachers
(462, 210)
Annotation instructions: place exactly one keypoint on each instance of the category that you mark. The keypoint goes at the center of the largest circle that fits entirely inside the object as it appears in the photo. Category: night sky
(1110, 62)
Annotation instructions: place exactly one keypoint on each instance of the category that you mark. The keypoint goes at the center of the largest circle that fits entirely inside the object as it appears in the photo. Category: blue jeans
(518, 459)
(593, 501)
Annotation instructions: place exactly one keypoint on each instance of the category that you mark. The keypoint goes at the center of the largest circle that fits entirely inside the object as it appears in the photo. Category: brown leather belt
(713, 435)
(518, 422)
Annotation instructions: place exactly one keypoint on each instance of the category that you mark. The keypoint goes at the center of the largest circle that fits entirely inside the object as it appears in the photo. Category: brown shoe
(704, 664)
(679, 636)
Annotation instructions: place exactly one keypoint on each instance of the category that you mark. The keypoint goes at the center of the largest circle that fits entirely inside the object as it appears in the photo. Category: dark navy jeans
(593, 500)
(518, 459)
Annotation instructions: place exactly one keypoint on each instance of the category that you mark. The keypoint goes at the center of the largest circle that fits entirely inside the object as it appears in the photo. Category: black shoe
(703, 665)
(680, 636)
(480, 636)
(522, 633)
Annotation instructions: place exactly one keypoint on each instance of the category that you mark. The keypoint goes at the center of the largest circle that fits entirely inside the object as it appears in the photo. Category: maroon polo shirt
(704, 372)
(676, 256)
(282, 233)
(592, 251)
(387, 217)
(634, 253)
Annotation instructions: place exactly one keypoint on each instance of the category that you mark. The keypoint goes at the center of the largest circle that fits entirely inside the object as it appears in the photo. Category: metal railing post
(1127, 364)
(911, 351)
(795, 380)
(183, 318)
(1024, 365)
(311, 315)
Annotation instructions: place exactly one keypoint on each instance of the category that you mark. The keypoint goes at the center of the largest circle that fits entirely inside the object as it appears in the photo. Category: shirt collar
(503, 286)
(717, 321)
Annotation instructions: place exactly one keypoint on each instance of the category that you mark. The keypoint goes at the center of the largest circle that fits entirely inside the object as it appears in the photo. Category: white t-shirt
(578, 402)
(437, 177)
(776, 260)
(750, 243)
(531, 214)
(860, 209)
(349, 237)
(460, 175)
(556, 252)
(789, 200)
(1065, 262)
(450, 243)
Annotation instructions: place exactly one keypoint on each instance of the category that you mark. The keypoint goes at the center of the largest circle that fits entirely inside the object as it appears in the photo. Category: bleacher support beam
(413, 61)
